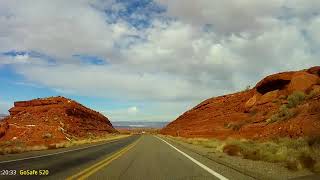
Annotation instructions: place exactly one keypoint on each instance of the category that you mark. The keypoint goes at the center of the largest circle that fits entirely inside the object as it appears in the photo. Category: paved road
(62, 165)
(137, 157)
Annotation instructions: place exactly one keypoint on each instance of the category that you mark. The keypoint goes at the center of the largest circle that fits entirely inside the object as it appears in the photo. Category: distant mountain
(139, 124)
(3, 116)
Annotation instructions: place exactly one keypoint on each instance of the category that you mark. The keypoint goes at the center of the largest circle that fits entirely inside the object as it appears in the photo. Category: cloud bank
(159, 52)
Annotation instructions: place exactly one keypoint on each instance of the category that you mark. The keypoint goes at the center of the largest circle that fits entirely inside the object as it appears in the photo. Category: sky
(149, 60)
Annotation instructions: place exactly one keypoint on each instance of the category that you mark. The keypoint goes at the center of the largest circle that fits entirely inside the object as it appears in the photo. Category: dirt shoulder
(256, 169)
(13, 152)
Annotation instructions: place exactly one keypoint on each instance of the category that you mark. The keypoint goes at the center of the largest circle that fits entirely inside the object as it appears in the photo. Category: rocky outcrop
(278, 81)
(62, 118)
(261, 112)
(302, 81)
(268, 97)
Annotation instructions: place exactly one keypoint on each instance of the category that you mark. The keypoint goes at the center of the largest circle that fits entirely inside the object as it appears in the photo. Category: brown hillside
(281, 105)
(51, 120)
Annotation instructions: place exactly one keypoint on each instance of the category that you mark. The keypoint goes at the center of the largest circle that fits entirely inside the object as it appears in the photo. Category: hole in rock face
(272, 85)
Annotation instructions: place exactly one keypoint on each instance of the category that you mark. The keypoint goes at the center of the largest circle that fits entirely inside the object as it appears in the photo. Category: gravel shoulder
(257, 169)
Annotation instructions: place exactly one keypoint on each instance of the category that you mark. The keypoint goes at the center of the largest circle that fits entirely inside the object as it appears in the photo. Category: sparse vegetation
(287, 111)
(74, 142)
(236, 126)
(283, 97)
(295, 154)
(315, 109)
(295, 99)
(47, 136)
(247, 88)
(283, 114)
(313, 94)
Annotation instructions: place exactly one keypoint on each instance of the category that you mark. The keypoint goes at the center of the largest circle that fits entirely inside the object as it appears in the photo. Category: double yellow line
(96, 167)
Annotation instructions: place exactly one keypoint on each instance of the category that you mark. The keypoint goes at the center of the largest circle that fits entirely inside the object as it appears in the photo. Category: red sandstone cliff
(51, 120)
(262, 112)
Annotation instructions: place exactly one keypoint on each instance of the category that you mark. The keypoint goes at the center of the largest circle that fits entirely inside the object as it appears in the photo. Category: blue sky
(149, 60)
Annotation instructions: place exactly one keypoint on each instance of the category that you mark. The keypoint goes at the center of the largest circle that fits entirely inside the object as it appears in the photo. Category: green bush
(295, 99)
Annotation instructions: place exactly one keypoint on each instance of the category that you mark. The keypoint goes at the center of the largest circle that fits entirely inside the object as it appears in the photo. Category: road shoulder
(254, 169)
(30, 154)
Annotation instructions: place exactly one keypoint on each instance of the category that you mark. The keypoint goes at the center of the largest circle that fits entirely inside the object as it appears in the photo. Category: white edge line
(34, 157)
(196, 162)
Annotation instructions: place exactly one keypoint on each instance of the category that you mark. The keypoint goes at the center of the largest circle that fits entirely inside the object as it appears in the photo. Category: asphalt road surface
(136, 157)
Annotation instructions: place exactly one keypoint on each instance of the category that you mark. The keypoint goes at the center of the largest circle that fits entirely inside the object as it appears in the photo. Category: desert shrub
(253, 111)
(211, 143)
(232, 150)
(313, 94)
(295, 99)
(316, 167)
(307, 161)
(36, 148)
(283, 97)
(236, 126)
(283, 114)
(47, 136)
(296, 154)
(314, 108)
(276, 101)
(247, 88)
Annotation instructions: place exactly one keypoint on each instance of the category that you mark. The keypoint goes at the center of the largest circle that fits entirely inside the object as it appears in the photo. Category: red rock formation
(245, 114)
(31, 121)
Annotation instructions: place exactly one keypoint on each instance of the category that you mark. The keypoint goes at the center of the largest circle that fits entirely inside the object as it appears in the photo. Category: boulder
(251, 102)
(302, 81)
(268, 97)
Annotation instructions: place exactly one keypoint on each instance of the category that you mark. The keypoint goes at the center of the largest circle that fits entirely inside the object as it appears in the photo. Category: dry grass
(91, 139)
(295, 154)
(12, 147)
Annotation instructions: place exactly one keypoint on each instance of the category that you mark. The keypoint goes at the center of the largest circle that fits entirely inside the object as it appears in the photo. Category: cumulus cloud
(163, 52)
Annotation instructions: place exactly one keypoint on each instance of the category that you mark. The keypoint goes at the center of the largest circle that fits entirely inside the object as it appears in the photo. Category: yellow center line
(96, 167)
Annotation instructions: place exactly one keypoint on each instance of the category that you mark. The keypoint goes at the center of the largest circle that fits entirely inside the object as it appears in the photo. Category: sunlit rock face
(258, 113)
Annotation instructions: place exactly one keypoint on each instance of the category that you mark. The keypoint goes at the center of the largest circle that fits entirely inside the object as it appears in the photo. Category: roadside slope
(281, 105)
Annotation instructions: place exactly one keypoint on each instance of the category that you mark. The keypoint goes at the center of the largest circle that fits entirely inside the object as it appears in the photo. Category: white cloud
(133, 110)
(210, 48)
